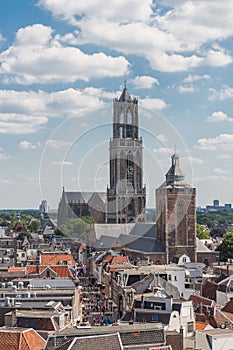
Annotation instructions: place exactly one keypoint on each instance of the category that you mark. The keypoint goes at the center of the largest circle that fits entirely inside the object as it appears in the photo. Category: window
(121, 118)
(129, 117)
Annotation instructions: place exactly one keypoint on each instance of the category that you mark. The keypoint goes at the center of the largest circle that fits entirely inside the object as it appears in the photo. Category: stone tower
(126, 195)
(176, 215)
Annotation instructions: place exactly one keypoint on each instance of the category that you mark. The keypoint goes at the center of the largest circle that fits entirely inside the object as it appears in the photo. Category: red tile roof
(16, 269)
(201, 326)
(198, 300)
(61, 270)
(229, 306)
(119, 260)
(13, 338)
(57, 259)
(108, 258)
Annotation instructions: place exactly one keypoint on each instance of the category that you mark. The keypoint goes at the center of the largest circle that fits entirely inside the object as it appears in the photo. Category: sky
(62, 62)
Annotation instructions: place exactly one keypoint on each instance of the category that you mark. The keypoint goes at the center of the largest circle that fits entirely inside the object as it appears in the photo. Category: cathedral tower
(126, 195)
(176, 215)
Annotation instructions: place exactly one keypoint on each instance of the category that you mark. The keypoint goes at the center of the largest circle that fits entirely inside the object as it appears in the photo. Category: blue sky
(63, 61)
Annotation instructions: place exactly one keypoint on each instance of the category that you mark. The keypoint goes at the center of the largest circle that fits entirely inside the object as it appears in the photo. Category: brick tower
(176, 214)
(126, 195)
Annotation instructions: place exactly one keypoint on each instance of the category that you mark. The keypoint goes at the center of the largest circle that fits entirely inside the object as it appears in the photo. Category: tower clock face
(130, 169)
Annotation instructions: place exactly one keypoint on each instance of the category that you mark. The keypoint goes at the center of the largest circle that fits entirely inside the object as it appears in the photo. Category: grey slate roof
(125, 96)
(149, 333)
(100, 342)
(53, 283)
(112, 230)
(143, 229)
(87, 197)
(145, 245)
(138, 237)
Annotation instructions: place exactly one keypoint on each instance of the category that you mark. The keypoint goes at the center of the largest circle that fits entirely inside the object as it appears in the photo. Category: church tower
(176, 215)
(126, 195)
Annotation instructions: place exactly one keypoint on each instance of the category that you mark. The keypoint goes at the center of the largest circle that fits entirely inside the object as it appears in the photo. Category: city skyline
(61, 66)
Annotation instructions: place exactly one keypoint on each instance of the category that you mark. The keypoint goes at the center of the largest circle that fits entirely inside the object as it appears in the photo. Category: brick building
(176, 214)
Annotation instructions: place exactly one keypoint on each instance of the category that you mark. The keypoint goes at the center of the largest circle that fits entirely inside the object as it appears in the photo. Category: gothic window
(130, 169)
(121, 129)
(180, 208)
(129, 131)
(121, 118)
(129, 117)
(139, 205)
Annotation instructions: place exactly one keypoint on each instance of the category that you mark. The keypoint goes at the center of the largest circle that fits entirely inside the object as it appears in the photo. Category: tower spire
(174, 174)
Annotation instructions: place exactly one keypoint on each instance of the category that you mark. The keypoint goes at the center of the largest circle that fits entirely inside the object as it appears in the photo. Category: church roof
(112, 230)
(85, 197)
(138, 237)
(143, 229)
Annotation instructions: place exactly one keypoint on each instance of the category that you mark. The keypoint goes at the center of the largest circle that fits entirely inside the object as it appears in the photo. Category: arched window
(129, 117)
(121, 118)
(130, 169)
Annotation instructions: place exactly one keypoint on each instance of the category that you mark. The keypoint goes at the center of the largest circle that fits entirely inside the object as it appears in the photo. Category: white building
(214, 339)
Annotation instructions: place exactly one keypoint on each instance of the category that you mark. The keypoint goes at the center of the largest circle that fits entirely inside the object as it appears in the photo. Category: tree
(218, 231)
(202, 233)
(226, 247)
(22, 235)
(77, 228)
(34, 225)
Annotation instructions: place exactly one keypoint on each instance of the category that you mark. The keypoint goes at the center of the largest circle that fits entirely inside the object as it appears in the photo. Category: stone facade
(176, 215)
(126, 195)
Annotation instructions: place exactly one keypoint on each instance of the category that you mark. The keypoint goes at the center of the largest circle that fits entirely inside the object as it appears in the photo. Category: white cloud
(12, 123)
(120, 10)
(144, 82)
(62, 163)
(212, 178)
(219, 117)
(219, 171)
(5, 181)
(220, 142)
(58, 143)
(203, 21)
(223, 94)
(153, 103)
(224, 156)
(184, 89)
(218, 58)
(195, 77)
(3, 156)
(162, 138)
(193, 160)
(28, 111)
(1, 38)
(27, 145)
(164, 150)
(36, 57)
